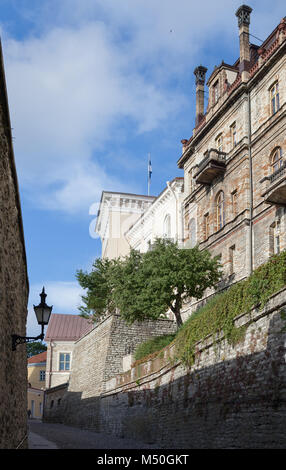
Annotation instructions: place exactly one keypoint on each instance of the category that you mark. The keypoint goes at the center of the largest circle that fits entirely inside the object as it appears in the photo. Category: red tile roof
(67, 327)
(42, 357)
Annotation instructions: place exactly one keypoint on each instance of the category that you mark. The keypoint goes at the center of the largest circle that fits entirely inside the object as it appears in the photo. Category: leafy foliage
(99, 283)
(35, 348)
(219, 313)
(144, 286)
(153, 345)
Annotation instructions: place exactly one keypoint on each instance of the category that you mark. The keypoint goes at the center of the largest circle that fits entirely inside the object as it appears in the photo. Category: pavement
(35, 441)
(42, 435)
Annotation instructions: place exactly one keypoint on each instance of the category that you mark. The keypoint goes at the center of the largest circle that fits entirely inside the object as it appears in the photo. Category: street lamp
(43, 313)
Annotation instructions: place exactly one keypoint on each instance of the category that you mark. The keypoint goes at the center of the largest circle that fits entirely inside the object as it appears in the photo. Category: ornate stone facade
(234, 163)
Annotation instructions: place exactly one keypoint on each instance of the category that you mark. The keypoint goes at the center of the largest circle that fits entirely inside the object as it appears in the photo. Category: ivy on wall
(219, 313)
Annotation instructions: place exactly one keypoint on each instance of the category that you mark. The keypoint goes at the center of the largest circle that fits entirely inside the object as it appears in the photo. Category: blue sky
(93, 87)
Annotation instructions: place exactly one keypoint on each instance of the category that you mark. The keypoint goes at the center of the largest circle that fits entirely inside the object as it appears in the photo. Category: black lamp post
(43, 313)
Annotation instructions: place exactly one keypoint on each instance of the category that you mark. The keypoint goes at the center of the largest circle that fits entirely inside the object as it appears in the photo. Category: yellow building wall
(36, 387)
(35, 402)
(34, 375)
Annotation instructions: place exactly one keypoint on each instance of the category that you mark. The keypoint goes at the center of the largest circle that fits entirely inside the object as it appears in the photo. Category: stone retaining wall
(232, 397)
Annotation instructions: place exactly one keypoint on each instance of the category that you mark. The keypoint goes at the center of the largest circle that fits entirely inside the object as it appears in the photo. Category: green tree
(164, 277)
(99, 285)
(35, 348)
(146, 286)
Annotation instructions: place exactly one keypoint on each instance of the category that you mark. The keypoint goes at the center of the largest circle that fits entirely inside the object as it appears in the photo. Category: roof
(267, 46)
(42, 357)
(67, 327)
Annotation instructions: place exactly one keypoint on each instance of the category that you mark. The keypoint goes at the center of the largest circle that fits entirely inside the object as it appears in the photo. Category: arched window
(167, 226)
(274, 98)
(276, 159)
(192, 233)
(220, 218)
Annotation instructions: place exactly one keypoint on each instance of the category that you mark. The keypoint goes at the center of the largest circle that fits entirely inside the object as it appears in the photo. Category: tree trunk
(176, 309)
(178, 318)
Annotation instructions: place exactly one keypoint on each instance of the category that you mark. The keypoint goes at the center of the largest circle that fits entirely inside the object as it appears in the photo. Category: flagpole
(149, 174)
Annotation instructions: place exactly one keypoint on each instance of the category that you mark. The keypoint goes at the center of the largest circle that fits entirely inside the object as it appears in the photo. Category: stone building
(234, 163)
(62, 333)
(234, 205)
(14, 290)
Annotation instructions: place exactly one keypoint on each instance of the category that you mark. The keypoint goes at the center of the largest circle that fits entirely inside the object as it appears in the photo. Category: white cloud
(89, 66)
(74, 89)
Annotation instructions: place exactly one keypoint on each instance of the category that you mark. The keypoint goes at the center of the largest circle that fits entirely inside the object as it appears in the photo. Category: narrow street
(58, 436)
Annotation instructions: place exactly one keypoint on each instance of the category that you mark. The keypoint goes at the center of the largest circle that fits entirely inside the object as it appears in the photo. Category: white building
(128, 221)
(162, 219)
(117, 213)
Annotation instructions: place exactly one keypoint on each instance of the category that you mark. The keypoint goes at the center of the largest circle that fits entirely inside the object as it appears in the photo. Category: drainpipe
(250, 188)
(51, 363)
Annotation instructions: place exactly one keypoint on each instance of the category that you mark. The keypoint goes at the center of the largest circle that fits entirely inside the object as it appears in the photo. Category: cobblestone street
(58, 436)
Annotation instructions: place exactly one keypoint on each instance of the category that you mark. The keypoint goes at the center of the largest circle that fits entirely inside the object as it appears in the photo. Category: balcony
(274, 187)
(213, 165)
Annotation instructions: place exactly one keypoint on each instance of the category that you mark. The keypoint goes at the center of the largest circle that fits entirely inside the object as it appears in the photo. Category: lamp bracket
(16, 339)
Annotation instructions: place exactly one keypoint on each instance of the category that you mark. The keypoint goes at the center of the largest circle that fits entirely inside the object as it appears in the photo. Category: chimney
(243, 15)
(200, 73)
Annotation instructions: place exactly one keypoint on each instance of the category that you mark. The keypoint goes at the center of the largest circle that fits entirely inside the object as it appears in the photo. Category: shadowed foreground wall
(232, 397)
(13, 291)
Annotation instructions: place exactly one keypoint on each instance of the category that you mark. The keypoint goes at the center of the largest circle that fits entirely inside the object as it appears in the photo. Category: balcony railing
(213, 165)
(274, 186)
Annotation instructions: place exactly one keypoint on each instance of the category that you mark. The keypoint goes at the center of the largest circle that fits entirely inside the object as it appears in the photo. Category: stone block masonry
(231, 397)
(97, 357)
(14, 289)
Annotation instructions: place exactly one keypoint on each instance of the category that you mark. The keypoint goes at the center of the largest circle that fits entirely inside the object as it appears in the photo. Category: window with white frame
(64, 361)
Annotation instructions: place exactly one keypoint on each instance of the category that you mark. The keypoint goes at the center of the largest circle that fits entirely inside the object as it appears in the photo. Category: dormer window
(216, 91)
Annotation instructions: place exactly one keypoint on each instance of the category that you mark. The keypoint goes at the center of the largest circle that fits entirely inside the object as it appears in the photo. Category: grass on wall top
(219, 313)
